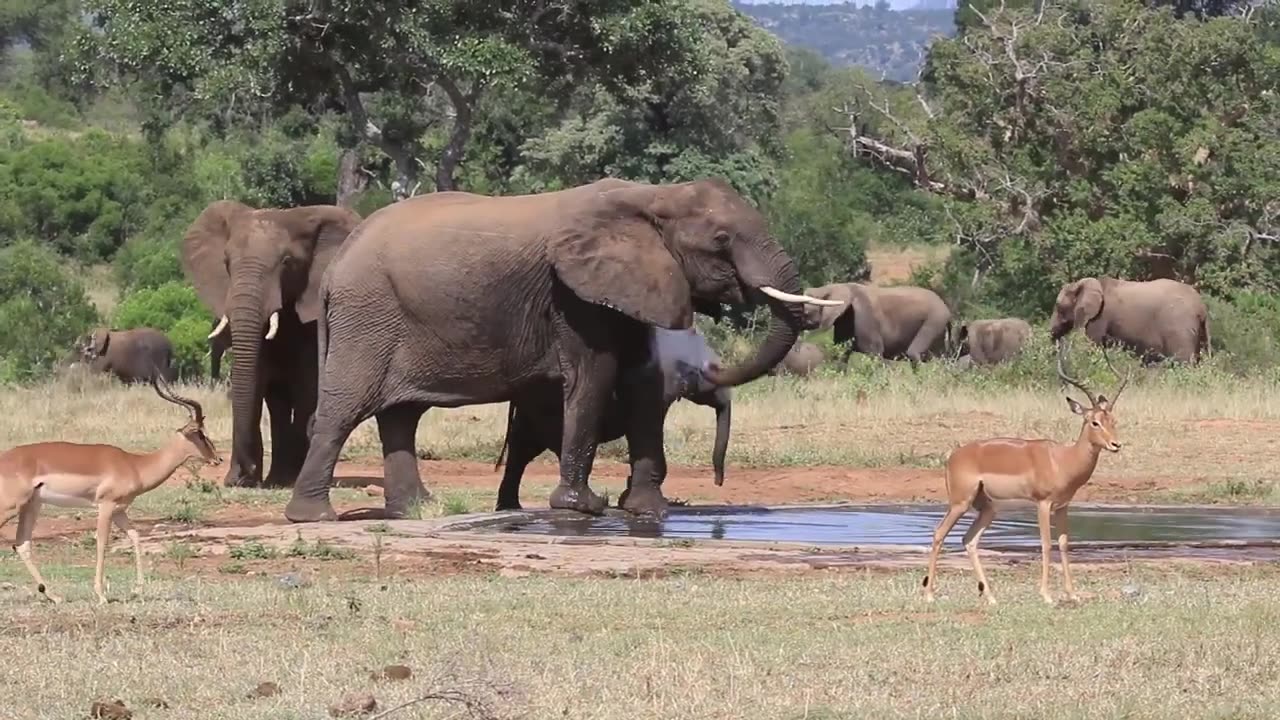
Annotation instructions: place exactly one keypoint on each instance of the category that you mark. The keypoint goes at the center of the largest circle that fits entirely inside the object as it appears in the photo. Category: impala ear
(1076, 407)
(613, 255)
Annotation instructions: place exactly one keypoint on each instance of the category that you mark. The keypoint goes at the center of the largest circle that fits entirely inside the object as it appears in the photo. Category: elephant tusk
(222, 325)
(273, 324)
(788, 297)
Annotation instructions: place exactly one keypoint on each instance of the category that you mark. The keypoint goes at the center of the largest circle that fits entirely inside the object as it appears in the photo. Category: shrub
(173, 309)
(43, 309)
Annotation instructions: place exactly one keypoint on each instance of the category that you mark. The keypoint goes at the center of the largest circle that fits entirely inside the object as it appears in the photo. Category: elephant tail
(506, 438)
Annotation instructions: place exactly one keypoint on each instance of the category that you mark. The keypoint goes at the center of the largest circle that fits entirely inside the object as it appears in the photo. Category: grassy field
(1200, 429)
(1154, 643)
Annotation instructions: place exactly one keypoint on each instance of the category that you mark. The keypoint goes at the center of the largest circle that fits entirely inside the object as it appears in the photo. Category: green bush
(174, 309)
(43, 310)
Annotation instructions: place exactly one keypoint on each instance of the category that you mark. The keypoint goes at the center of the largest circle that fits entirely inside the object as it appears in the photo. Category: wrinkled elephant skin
(454, 299)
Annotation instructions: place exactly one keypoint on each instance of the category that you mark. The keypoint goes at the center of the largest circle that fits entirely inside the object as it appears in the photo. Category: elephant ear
(204, 252)
(1089, 302)
(323, 229)
(100, 340)
(859, 322)
(613, 255)
(830, 314)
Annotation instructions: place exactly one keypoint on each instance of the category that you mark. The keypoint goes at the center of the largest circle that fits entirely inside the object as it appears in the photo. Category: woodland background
(1004, 148)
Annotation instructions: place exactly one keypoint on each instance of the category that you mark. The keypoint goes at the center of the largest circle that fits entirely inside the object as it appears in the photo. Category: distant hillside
(885, 41)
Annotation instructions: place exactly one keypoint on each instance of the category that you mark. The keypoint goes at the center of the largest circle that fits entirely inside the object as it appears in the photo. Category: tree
(1096, 137)
(397, 71)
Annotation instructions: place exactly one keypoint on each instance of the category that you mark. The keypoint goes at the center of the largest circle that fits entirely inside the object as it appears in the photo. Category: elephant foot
(641, 500)
(301, 509)
(237, 477)
(567, 497)
(504, 504)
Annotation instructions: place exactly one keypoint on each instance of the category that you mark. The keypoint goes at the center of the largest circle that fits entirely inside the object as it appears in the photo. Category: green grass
(1192, 643)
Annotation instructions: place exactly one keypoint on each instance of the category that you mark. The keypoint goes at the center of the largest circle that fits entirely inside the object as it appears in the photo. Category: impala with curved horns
(1045, 472)
(67, 474)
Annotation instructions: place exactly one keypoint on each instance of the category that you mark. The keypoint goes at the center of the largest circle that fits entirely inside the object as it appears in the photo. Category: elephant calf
(801, 360)
(131, 355)
(990, 342)
(535, 421)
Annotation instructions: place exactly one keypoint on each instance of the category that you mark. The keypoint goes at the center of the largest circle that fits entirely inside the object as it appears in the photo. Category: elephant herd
(1156, 319)
(575, 307)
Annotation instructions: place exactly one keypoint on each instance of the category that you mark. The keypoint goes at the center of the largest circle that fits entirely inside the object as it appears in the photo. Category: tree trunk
(351, 181)
(458, 138)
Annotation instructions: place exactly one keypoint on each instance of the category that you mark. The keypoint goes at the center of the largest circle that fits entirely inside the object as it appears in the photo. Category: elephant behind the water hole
(535, 421)
(801, 360)
(133, 356)
(259, 272)
(990, 342)
(1157, 319)
(454, 299)
(893, 322)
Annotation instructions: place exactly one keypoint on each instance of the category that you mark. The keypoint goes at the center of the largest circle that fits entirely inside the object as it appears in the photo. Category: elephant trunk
(767, 265)
(247, 314)
(724, 405)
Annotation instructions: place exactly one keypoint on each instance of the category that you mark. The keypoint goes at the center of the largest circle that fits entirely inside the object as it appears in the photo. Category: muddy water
(913, 524)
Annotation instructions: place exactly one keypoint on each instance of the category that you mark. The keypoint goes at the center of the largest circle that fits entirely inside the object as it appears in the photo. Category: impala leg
(1060, 522)
(122, 521)
(22, 545)
(105, 511)
(1042, 515)
(948, 521)
(986, 513)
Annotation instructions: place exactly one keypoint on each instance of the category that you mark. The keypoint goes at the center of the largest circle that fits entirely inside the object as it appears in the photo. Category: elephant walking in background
(454, 299)
(133, 356)
(535, 421)
(259, 272)
(801, 360)
(1156, 319)
(888, 322)
(990, 342)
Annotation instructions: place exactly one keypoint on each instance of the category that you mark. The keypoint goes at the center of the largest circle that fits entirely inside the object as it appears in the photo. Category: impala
(67, 474)
(1045, 472)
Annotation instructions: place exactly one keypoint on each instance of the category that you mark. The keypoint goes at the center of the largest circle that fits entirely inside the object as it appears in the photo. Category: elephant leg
(285, 458)
(586, 393)
(648, 409)
(523, 446)
(397, 428)
(921, 347)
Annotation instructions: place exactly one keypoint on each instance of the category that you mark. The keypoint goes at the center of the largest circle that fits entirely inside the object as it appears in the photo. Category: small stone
(155, 702)
(293, 580)
(265, 690)
(1131, 591)
(352, 705)
(374, 490)
(110, 710)
(393, 672)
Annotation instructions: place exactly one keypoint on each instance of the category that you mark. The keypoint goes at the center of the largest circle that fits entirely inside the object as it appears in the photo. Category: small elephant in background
(801, 360)
(535, 421)
(990, 342)
(893, 323)
(133, 356)
(1157, 319)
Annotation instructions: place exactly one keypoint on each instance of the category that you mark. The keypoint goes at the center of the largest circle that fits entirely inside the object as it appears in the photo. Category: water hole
(913, 524)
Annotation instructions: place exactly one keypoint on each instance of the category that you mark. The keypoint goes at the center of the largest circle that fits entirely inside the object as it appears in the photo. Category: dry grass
(1192, 644)
(1226, 434)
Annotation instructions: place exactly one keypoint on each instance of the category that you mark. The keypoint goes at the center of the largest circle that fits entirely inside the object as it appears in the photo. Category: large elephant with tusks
(258, 271)
(455, 299)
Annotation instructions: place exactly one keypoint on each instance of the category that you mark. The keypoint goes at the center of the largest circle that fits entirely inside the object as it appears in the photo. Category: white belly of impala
(59, 491)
